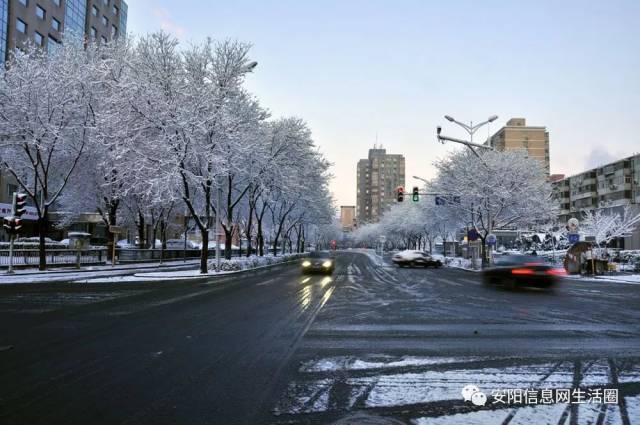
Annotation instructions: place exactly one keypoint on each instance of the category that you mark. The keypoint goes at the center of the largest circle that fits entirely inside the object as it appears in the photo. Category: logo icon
(473, 394)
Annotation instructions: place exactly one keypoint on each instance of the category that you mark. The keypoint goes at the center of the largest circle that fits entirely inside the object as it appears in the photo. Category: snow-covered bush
(244, 263)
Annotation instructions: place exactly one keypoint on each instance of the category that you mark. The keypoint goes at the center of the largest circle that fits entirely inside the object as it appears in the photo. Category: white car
(415, 258)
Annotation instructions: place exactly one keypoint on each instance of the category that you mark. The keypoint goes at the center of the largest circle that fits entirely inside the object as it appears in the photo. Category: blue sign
(491, 239)
(573, 237)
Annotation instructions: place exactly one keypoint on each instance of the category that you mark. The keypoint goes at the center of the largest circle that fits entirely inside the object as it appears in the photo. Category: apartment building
(348, 217)
(610, 187)
(377, 178)
(516, 134)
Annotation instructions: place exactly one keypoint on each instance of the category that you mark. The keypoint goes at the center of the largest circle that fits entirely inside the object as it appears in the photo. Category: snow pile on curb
(245, 263)
(459, 263)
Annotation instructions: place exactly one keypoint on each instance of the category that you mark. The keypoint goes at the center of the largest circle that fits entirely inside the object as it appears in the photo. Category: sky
(364, 72)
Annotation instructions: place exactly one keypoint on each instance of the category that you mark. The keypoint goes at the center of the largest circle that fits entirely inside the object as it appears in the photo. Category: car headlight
(306, 263)
(326, 264)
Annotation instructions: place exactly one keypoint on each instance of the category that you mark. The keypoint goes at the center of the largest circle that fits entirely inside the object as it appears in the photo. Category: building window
(105, 21)
(104, 39)
(94, 33)
(114, 31)
(21, 26)
(115, 10)
(40, 12)
(25, 3)
(94, 11)
(55, 24)
(56, 2)
(105, 2)
(38, 38)
(52, 45)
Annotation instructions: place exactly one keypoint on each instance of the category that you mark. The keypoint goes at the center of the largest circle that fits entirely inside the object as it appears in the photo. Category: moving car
(318, 261)
(415, 258)
(522, 270)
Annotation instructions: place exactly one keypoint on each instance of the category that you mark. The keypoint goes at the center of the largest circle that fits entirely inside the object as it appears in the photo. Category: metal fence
(31, 257)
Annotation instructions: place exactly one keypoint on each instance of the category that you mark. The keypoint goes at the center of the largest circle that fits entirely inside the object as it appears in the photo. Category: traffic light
(416, 194)
(7, 223)
(400, 193)
(19, 204)
(12, 225)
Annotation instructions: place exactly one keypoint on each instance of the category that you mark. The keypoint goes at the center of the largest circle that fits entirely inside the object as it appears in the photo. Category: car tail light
(557, 272)
(522, 271)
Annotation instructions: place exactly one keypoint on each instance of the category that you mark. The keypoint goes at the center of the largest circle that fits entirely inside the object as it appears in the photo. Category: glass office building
(74, 17)
(4, 24)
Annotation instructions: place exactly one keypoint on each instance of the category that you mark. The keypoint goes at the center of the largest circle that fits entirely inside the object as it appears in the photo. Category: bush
(244, 263)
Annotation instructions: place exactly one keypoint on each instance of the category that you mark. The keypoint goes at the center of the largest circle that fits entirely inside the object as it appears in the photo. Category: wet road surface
(372, 344)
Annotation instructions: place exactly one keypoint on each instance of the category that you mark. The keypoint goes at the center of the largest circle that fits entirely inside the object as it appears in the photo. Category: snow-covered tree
(605, 226)
(46, 119)
(499, 191)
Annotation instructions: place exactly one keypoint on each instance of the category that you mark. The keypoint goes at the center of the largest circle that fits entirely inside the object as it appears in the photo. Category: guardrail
(31, 257)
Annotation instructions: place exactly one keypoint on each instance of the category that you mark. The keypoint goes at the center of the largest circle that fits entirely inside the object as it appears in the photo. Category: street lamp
(420, 178)
(471, 129)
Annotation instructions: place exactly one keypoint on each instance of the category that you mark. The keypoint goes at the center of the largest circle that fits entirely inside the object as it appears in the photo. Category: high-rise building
(43, 22)
(378, 177)
(518, 135)
(348, 217)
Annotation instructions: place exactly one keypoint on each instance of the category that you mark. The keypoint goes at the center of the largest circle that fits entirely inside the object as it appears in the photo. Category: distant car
(522, 270)
(318, 261)
(415, 258)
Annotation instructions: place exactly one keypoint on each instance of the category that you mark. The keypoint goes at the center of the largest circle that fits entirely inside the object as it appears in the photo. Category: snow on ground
(373, 256)
(349, 363)
(541, 414)
(630, 278)
(387, 389)
(152, 276)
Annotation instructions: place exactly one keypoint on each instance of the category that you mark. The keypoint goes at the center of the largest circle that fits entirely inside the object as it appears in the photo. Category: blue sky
(356, 69)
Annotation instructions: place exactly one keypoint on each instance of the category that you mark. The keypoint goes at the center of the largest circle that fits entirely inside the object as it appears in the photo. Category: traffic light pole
(12, 238)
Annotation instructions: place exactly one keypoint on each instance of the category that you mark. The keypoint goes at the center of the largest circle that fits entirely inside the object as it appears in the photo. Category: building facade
(516, 134)
(377, 178)
(610, 187)
(44, 22)
(348, 218)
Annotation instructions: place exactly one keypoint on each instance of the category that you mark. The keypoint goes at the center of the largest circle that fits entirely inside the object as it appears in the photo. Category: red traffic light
(19, 204)
(400, 193)
(12, 224)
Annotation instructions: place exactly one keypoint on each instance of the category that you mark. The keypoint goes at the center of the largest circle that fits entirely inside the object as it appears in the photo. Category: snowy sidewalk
(92, 272)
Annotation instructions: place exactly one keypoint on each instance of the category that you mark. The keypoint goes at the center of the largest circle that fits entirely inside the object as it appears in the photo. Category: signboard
(116, 229)
(491, 239)
(473, 235)
(573, 237)
(30, 214)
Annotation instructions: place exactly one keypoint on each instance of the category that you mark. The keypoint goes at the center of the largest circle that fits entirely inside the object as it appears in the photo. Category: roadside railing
(31, 257)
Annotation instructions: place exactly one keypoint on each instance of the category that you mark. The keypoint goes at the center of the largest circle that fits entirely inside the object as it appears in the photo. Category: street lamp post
(471, 129)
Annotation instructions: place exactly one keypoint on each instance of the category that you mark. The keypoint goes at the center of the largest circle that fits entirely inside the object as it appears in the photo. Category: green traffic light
(416, 198)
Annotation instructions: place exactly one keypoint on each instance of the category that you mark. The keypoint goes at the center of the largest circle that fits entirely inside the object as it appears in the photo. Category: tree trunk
(140, 226)
(204, 252)
(42, 231)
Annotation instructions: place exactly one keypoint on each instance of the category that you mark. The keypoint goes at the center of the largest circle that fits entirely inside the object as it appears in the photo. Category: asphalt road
(372, 344)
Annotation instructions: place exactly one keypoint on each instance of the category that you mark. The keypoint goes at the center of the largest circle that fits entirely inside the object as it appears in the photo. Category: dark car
(318, 261)
(415, 258)
(522, 270)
